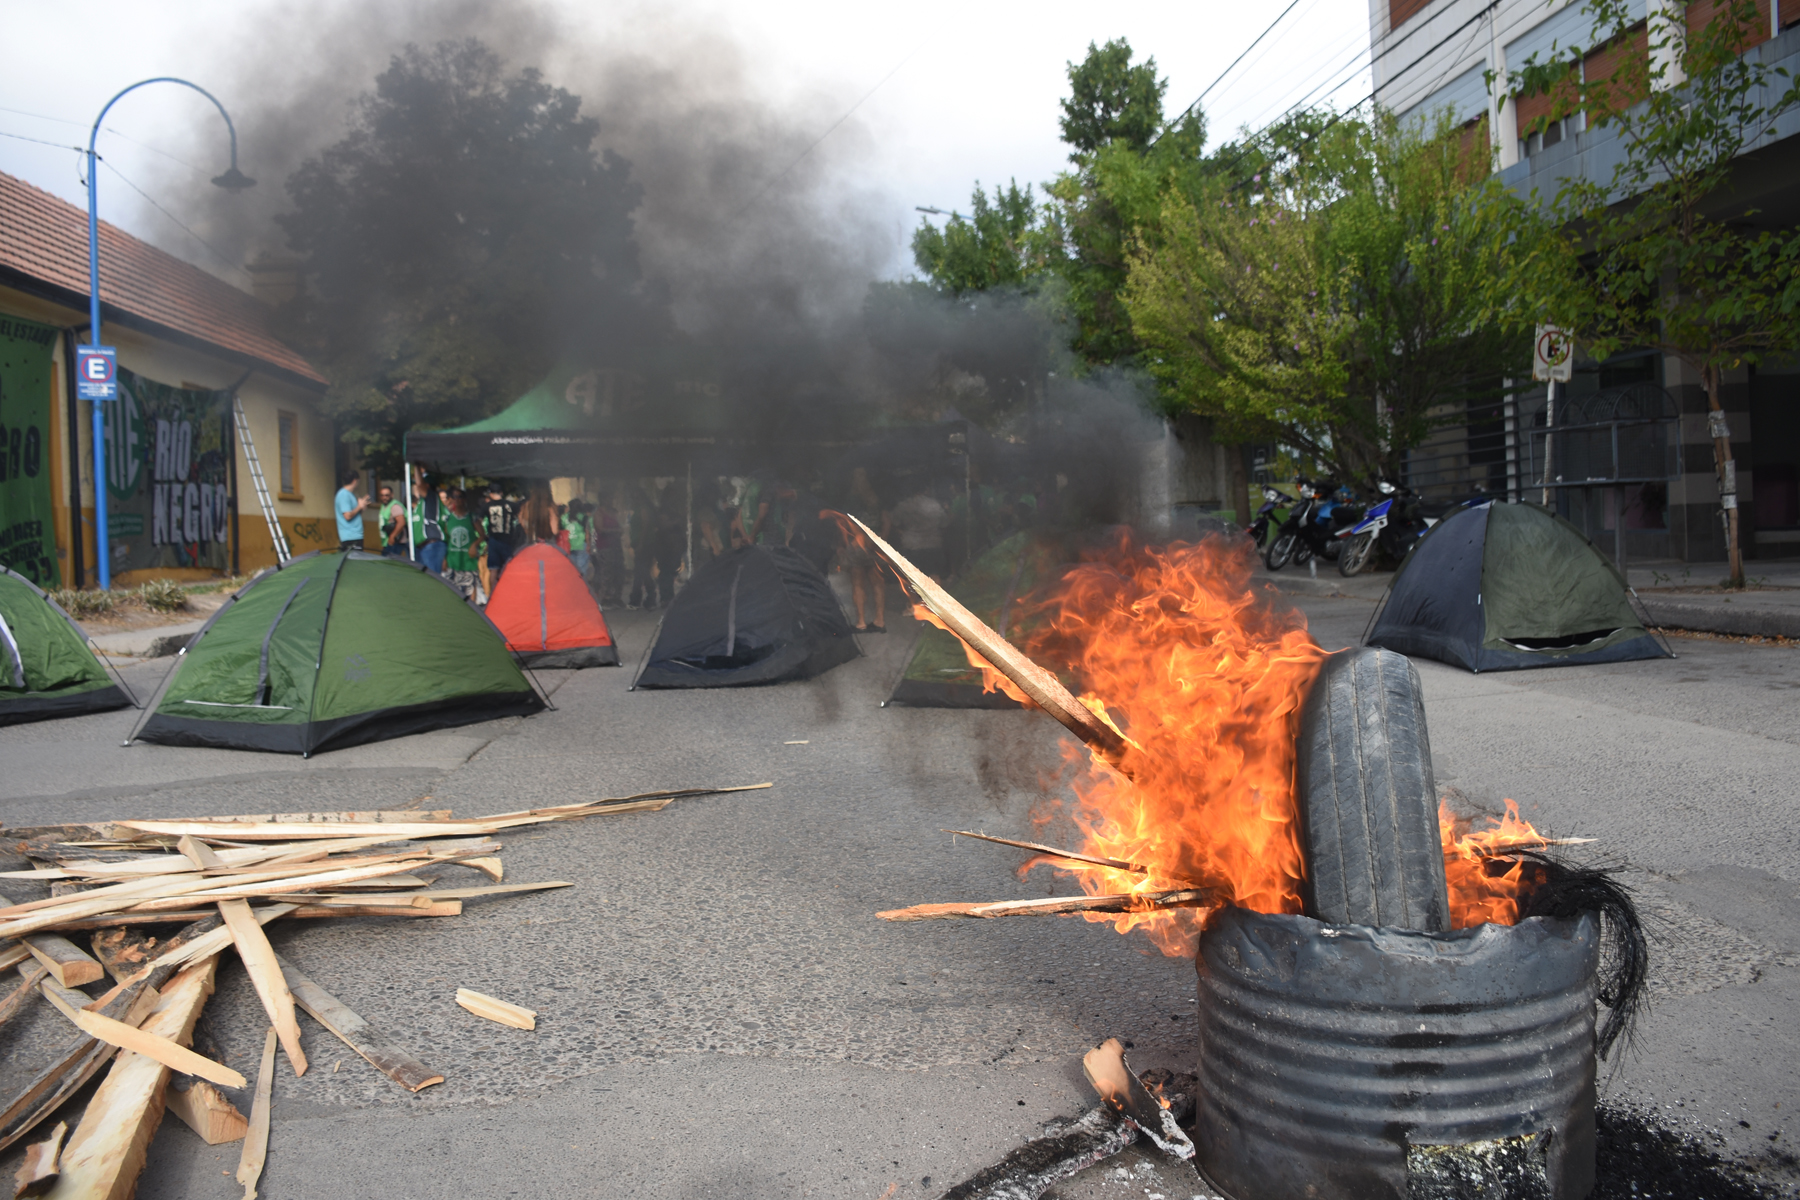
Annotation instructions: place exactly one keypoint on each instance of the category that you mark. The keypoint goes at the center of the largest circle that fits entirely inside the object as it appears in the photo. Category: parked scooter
(1275, 502)
(1388, 530)
(1312, 525)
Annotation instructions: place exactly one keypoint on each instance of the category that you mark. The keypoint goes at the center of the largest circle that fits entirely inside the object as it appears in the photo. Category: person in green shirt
(461, 549)
(578, 525)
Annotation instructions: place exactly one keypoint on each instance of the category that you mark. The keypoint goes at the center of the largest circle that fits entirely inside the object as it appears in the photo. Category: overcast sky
(938, 95)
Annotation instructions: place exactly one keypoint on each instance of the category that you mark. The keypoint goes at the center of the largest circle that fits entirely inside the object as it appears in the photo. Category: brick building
(1432, 56)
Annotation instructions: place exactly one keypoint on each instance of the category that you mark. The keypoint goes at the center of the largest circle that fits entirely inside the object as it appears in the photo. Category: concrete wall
(305, 516)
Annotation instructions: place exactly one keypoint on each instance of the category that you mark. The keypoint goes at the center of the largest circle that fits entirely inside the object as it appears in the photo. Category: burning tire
(1368, 804)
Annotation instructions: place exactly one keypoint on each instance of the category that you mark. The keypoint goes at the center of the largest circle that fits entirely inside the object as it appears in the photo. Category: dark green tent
(1503, 587)
(333, 650)
(938, 674)
(47, 668)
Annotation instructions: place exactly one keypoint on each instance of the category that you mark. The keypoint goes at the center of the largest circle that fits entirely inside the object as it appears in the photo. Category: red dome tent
(543, 609)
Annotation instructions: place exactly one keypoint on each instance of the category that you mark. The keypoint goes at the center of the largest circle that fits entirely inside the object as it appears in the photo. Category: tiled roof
(45, 239)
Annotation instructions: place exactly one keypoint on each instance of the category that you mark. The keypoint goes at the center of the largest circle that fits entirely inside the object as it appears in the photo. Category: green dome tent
(333, 650)
(1504, 587)
(938, 674)
(47, 668)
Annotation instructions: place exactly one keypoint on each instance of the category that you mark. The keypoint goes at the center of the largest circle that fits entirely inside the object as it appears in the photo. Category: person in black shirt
(499, 519)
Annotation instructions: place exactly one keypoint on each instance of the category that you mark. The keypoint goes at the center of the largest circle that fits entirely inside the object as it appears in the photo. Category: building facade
(180, 492)
(1437, 56)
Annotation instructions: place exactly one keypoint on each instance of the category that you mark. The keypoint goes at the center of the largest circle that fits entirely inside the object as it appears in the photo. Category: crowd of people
(632, 542)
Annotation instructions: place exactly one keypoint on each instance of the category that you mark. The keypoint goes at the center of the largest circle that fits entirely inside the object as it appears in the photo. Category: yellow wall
(307, 520)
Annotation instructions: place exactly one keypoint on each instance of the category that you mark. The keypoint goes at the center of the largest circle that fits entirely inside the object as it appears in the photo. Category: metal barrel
(1329, 1054)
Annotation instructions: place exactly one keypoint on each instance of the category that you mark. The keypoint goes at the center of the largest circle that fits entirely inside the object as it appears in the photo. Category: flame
(1206, 678)
(1484, 886)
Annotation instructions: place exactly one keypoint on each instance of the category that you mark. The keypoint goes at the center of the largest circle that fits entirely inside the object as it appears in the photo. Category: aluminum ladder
(256, 478)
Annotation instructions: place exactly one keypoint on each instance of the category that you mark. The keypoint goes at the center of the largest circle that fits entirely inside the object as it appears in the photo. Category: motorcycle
(1311, 526)
(1273, 499)
(1391, 528)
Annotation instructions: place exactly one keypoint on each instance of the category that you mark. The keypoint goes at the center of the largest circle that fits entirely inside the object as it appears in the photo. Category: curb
(158, 641)
(1717, 618)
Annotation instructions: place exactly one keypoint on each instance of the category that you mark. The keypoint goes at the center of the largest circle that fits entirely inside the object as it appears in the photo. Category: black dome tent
(760, 614)
(1503, 587)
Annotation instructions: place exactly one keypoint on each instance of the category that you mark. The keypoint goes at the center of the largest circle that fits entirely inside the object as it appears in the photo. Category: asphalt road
(721, 1015)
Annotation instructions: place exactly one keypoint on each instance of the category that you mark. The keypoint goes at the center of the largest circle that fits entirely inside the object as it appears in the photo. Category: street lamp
(103, 378)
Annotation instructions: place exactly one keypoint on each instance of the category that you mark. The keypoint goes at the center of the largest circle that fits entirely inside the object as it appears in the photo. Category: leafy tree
(988, 249)
(459, 239)
(1658, 255)
(1112, 119)
(1111, 101)
(1330, 299)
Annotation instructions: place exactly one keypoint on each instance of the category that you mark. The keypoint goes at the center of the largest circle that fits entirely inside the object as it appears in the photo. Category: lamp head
(234, 180)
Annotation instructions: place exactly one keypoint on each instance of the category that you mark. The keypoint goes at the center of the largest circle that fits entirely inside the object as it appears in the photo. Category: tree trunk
(1240, 484)
(1725, 469)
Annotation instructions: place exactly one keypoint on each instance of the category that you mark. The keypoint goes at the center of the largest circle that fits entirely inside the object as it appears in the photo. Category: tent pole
(412, 552)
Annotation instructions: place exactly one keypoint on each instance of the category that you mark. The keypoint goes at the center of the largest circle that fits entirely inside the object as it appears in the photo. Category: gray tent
(1503, 587)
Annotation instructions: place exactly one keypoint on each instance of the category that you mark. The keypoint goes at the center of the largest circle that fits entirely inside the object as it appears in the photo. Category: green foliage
(988, 249)
(162, 595)
(1331, 299)
(1112, 102)
(1659, 255)
(82, 603)
(462, 236)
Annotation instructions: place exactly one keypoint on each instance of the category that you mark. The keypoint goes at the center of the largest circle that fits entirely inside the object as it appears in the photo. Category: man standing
(459, 543)
(390, 515)
(500, 518)
(349, 511)
(427, 527)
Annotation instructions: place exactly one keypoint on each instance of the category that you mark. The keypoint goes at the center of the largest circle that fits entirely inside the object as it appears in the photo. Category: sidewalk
(157, 641)
(1687, 596)
(1675, 594)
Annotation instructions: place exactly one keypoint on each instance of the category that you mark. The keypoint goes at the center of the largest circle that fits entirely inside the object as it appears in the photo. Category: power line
(1222, 74)
(782, 174)
(41, 141)
(105, 129)
(219, 254)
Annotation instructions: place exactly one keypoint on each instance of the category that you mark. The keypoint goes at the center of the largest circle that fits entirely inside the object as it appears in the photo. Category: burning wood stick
(1481, 850)
(1044, 689)
(1120, 1087)
(1116, 864)
(1057, 905)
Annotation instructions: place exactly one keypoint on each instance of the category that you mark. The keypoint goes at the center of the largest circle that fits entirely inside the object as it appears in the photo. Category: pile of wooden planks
(159, 903)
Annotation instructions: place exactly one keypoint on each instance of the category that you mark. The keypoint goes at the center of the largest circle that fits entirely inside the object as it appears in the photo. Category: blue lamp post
(96, 373)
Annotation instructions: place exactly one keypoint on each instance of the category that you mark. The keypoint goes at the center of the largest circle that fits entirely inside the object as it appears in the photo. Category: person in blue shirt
(350, 511)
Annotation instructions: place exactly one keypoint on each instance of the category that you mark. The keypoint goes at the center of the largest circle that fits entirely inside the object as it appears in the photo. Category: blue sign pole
(233, 180)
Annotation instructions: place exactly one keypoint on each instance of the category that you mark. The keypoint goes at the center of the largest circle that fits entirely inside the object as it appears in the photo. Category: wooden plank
(483, 1005)
(447, 908)
(357, 1033)
(265, 974)
(199, 853)
(256, 1138)
(15, 1000)
(207, 1111)
(491, 867)
(79, 1060)
(41, 1168)
(212, 941)
(144, 1041)
(13, 954)
(498, 889)
(1043, 688)
(1057, 905)
(106, 1152)
(62, 958)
